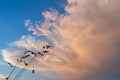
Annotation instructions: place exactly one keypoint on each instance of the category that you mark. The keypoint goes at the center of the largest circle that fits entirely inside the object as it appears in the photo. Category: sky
(84, 35)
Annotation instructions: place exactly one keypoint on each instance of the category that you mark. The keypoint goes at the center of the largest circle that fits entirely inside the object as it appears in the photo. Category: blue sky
(13, 13)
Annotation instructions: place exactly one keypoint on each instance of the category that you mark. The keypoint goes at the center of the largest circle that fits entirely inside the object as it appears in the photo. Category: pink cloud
(86, 40)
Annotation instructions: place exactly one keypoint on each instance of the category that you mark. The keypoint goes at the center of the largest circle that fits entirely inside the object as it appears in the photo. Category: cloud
(86, 40)
(1, 63)
(27, 22)
(2, 76)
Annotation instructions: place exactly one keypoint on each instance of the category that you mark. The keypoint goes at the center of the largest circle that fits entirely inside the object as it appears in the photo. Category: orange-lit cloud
(86, 40)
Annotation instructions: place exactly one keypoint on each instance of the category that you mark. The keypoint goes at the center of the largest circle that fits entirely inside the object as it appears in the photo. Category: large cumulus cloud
(86, 40)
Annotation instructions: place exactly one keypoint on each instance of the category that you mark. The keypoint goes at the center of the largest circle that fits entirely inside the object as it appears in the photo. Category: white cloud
(1, 63)
(27, 22)
(2, 76)
(86, 40)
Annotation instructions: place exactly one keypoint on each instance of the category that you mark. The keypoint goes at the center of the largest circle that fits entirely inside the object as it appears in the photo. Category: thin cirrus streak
(85, 40)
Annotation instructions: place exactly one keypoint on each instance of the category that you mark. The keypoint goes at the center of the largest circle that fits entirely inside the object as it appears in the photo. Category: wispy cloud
(1, 63)
(85, 38)
(2, 76)
(27, 22)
